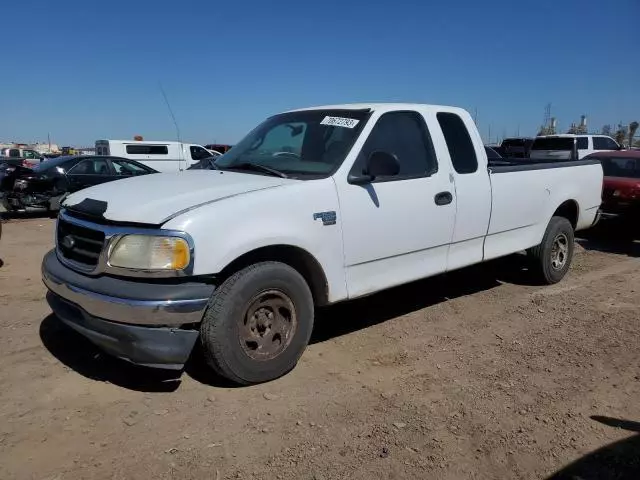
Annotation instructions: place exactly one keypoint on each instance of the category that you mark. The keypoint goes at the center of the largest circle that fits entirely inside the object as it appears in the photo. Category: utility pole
(49, 141)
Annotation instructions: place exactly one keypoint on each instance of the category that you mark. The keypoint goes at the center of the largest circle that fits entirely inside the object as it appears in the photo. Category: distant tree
(633, 128)
(621, 134)
(606, 130)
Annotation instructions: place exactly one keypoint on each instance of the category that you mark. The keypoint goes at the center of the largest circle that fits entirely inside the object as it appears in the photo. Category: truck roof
(385, 107)
(573, 135)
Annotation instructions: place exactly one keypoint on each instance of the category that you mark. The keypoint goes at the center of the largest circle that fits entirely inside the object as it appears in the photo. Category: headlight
(147, 252)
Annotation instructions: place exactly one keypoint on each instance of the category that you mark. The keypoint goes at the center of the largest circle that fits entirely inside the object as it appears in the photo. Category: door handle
(443, 198)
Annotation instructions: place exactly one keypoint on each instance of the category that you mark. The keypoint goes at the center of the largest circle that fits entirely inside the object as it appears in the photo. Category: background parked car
(621, 185)
(492, 154)
(44, 185)
(517, 147)
(21, 156)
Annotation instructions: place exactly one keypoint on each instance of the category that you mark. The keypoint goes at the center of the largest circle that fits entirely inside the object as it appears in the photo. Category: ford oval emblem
(68, 242)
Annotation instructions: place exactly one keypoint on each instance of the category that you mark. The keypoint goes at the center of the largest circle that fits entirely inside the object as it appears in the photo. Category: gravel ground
(478, 374)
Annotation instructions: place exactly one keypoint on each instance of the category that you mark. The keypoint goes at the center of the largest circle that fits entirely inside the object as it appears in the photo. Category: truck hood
(156, 198)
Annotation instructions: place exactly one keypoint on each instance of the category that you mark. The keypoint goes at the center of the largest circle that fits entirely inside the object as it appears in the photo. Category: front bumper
(139, 322)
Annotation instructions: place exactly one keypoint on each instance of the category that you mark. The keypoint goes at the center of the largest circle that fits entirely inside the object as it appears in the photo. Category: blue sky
(83, 72)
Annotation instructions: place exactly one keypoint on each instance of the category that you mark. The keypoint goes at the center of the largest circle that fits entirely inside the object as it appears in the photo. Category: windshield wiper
(257, 168)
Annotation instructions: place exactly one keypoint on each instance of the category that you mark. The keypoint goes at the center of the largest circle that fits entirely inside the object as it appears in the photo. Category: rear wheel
(258, 323)
(552, 258)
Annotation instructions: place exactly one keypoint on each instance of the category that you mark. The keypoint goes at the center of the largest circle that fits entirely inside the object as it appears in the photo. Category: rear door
(472, 188)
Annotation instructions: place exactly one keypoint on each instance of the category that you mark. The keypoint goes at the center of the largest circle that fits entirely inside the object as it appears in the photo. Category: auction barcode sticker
(340, 122)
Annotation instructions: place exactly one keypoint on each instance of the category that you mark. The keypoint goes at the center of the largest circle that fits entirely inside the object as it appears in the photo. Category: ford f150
(312, 207)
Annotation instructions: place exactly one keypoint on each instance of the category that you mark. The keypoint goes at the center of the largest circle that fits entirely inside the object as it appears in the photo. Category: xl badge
(328, 218)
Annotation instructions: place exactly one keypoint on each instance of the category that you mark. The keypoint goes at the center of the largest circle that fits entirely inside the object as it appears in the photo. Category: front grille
(79, 244)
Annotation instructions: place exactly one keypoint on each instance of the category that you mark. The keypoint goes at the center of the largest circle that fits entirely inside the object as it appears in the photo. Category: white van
(161, 156)
(570, 147)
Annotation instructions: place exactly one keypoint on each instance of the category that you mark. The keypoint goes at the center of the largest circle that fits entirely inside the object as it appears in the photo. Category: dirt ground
(479, 374)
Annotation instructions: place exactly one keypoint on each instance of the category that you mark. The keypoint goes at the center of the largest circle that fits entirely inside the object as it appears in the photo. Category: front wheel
(552, 258)
(258, 323)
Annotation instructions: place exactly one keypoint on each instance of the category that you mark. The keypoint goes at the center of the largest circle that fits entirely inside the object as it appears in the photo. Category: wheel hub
(268, 325)
(559, 251)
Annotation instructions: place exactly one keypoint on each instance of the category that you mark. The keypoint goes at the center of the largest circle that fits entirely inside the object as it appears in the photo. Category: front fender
(226, 230)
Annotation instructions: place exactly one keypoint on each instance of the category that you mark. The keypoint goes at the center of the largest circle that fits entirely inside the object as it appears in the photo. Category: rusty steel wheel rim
(559, 251)
(268, 325)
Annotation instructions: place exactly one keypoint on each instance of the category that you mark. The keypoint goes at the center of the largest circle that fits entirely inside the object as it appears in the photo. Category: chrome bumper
(125, 310)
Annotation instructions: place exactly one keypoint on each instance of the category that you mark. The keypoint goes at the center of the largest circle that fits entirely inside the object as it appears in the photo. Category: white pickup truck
(313, 207)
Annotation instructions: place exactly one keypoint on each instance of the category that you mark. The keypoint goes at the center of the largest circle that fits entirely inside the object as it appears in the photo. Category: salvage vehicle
(313, 207)
(46, 184)
(621, 187)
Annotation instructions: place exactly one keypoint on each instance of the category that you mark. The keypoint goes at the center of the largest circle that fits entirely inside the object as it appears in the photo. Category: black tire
(232, 355)
(545, 256)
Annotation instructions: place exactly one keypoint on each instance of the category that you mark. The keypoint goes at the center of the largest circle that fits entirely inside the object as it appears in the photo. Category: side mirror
(379, 164)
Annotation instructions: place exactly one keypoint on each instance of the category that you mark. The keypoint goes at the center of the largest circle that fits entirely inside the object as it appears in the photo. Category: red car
(621, 188)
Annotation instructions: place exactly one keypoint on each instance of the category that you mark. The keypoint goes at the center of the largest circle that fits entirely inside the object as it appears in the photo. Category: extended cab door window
(405, 135)
(463, 154)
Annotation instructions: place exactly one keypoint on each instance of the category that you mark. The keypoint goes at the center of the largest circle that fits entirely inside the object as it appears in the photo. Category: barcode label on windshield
(340, 122)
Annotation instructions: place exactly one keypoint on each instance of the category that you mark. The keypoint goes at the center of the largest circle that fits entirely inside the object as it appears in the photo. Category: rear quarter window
(461, 150)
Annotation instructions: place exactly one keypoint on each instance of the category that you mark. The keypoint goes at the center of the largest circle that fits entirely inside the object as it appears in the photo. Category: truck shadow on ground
(79, 354)
(612, 236)
(617, 461)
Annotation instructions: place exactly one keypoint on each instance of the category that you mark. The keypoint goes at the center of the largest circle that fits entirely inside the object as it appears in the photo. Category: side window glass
(405, 135)
(583, 143)
(198, 153)
(463, 154)
(126, 169)
(611, 144)
(93, 166)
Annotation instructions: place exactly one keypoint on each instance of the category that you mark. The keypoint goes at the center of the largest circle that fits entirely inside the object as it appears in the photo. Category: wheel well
(568, 210)
(296, 258)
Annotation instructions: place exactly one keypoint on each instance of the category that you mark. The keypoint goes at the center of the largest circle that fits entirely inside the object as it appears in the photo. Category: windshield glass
(620, 167)
(553, 143)
(307, 144)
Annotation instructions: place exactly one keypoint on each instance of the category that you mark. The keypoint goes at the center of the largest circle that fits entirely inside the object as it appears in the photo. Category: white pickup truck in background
(313, 207)
(166, 157)
(569, 146)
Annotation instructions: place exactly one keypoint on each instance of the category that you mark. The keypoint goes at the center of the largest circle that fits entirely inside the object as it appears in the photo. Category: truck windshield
(553, 143)
(306, 144)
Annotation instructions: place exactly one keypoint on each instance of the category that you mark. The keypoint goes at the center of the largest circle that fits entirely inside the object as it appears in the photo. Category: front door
(397, 229)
